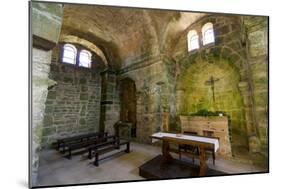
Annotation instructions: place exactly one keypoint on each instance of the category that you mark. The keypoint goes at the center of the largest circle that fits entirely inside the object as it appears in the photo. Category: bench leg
(63, 148)
(96, 162)
(128, 148)
(90, 154)
(214, 158)
(58, 147)
(117, 145)
(179, 150)
(69, 153)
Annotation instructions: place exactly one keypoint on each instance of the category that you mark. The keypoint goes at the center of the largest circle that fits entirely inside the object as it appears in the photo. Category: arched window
(69, 54)
(85, 59)
(193, 40)
(208, 33)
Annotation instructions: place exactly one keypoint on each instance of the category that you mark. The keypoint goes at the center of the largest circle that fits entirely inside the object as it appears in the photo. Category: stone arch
(194, 92)
(224, 52)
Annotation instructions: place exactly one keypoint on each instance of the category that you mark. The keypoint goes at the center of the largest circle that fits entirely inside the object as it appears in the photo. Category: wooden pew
(62, 142)
(112, 143)
(94, 139)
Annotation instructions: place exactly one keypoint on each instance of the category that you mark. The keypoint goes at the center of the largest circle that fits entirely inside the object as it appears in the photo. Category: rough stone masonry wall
(110, 101)
(225, 60)
(46, 23)
(73, 104)
(257, 32)
(40, 67)
(152, 96)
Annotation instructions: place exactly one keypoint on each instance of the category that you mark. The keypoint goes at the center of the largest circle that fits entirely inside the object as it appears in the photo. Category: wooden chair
(188, 149)
(210, 134)
(193, 151)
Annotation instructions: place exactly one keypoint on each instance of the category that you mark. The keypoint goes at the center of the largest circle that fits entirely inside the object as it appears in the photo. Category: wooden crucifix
(211, 82)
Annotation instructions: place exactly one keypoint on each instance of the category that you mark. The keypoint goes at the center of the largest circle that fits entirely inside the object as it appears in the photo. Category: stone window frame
(201, 44)
(79, 48)
(191, 34)
(89, 56)
(206, 27)
(69, 47)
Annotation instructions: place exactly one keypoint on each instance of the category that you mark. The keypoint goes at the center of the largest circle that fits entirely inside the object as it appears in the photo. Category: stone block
(258, 43)
(84, 88)
(236, 45)
(52, 95)
(83, 81)
(215, 51)
(226, 53)
(223, 30)
(254, 144)
(68, 79)
(48, 109)
(84, 96)
(54, 67)
(48, 120)
(261, 99)
(48, 131)
(82, 121)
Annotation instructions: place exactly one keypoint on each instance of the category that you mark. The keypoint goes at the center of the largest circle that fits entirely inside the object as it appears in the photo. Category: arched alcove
(214, 86)
(128, 105)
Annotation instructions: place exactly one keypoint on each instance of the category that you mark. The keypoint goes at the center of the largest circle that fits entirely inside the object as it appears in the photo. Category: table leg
(203, 164)
(165, 151)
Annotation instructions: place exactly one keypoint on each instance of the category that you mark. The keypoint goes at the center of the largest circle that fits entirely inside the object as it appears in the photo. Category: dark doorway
(128, 103)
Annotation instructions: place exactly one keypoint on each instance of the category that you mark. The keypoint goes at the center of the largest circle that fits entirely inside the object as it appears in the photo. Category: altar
(167, 163)
(213, 126)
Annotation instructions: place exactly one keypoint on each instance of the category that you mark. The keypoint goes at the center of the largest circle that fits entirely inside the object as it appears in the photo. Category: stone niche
(214, 126)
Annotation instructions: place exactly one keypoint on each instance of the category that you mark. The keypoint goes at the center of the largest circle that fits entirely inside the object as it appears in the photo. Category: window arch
(193, 40)
(69, 54)
(208, 33)
(85, 58)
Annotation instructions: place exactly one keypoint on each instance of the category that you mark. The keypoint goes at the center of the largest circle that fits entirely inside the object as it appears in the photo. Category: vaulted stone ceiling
(126, 35)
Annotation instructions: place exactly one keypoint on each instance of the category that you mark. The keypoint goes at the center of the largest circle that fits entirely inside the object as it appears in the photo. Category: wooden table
(199, 141)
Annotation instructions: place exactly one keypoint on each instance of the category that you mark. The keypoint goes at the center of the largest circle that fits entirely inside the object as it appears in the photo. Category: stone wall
(40, 82)
(45, 28)
(257, 46)
(110, 101)
(174, 84)
(73, 104)
(151, 95)
(221, 61)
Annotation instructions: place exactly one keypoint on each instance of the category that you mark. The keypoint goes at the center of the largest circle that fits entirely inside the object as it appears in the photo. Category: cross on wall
(211, 82)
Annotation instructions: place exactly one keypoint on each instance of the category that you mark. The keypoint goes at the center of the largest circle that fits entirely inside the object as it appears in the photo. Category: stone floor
(57, 170)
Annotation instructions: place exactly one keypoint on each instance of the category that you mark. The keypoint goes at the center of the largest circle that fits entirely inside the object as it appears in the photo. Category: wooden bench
(83, 145)
(62, 142)
(109, 145)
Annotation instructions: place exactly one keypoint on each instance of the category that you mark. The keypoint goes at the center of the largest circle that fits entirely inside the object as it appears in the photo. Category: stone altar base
(157, 169)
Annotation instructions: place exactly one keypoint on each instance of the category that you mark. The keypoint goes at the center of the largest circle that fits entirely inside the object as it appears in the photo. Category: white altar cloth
(159, 135)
